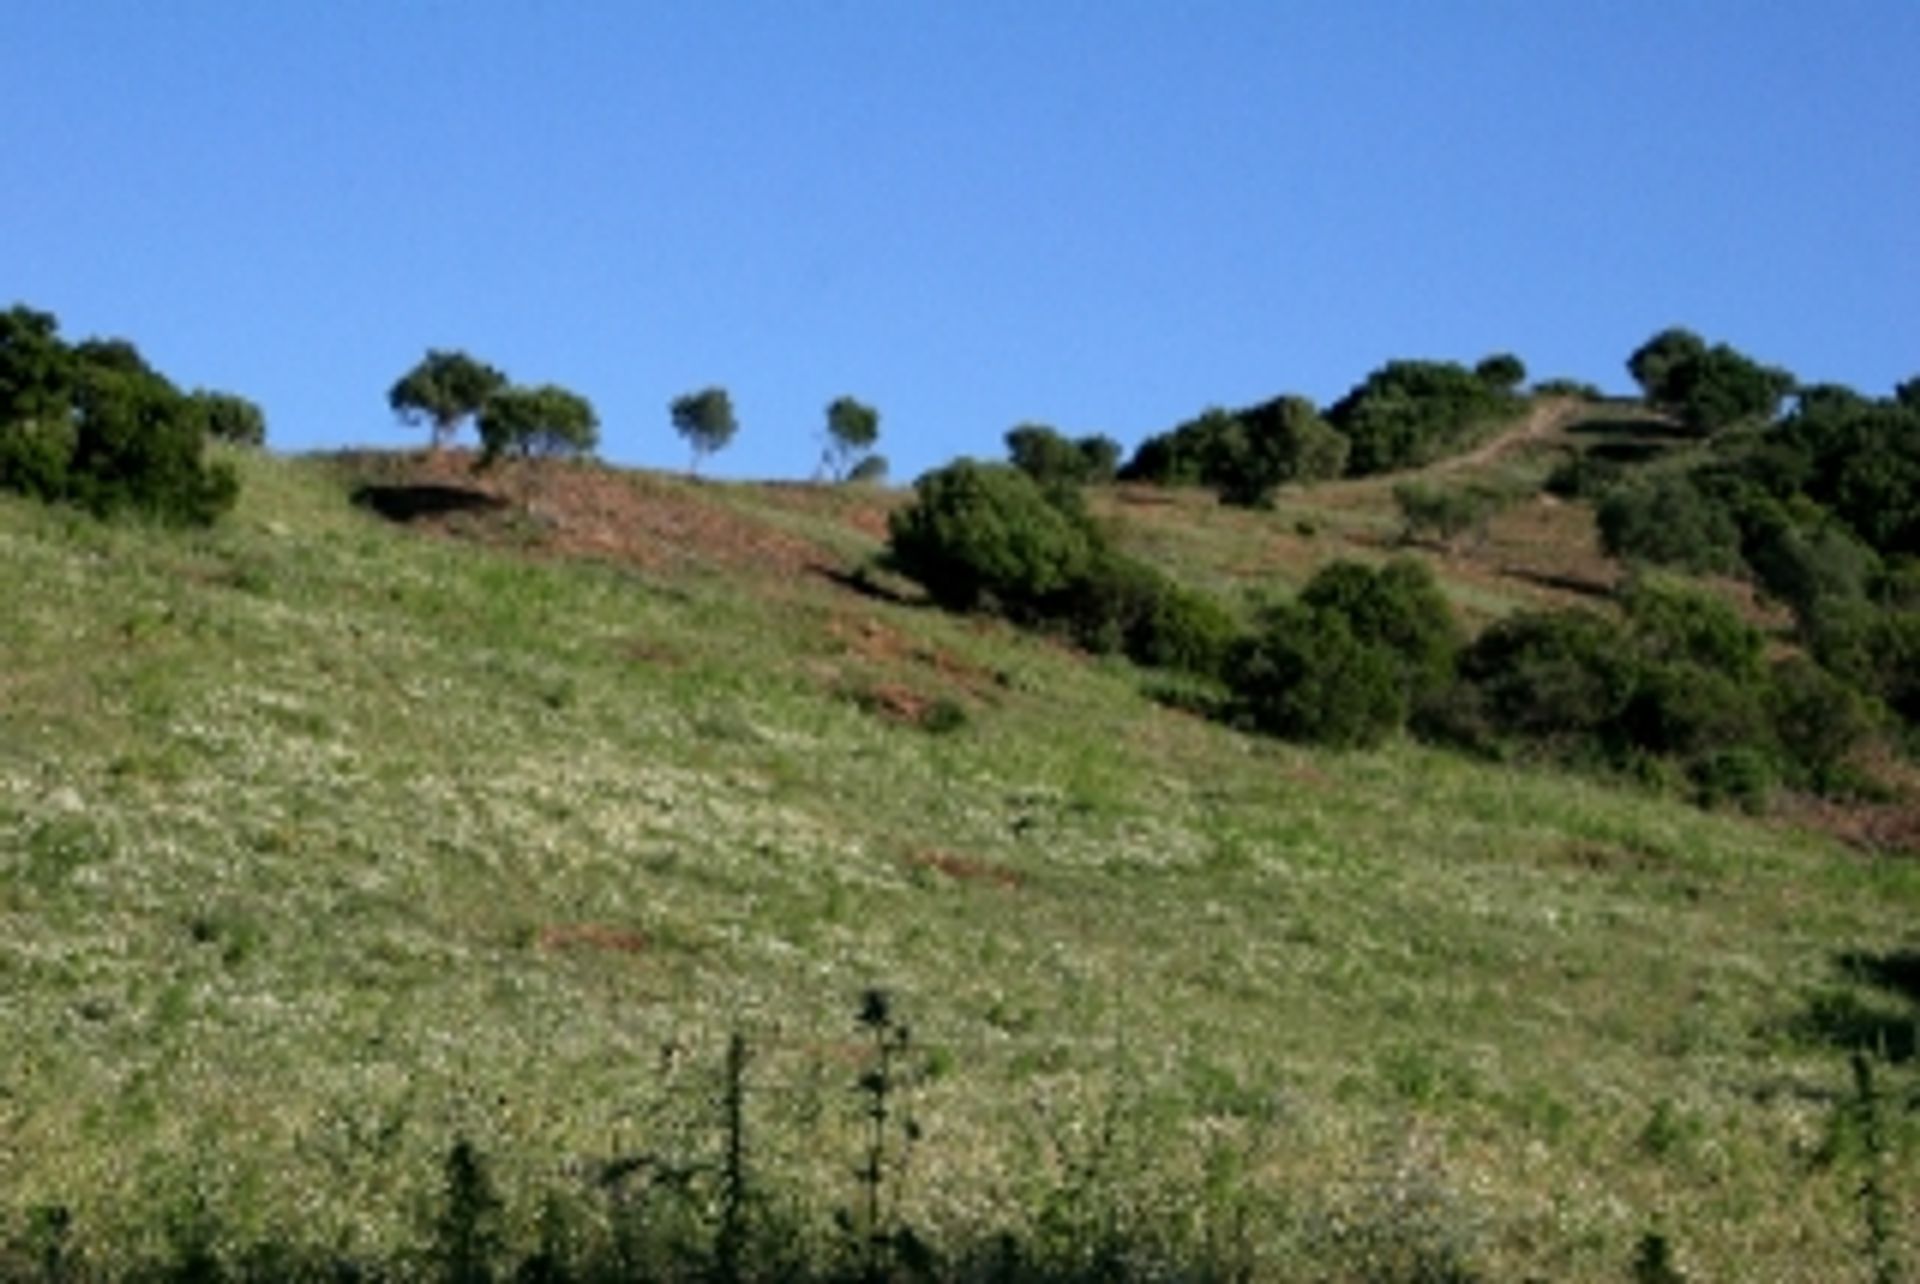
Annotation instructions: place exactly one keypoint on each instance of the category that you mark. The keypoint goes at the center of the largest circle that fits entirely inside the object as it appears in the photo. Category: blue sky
(1105, 216)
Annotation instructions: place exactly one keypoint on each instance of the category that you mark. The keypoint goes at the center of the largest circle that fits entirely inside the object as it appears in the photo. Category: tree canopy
(705, 419)
(95, 425)
(1709, 388)
(852, 429)
(443, 389)
(542, 421)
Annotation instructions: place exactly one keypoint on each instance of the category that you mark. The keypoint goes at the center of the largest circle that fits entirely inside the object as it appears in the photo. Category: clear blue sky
(1101, 214)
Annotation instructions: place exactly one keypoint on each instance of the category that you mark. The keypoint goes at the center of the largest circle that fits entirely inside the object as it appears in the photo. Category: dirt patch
(1887, 828)
(656, 654)
(582, 510)
(894, 702)
(966, 869)
(591, 936)
(877, 643)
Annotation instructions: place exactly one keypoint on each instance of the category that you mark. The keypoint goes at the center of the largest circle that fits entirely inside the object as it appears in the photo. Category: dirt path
(1545, 419)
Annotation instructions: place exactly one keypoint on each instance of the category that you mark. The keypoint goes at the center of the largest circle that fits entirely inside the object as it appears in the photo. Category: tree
(1709, 388)
(95, 425)
(705, 419)
(231, 418)
(443, 389)
(1655, 364)
(547, 420)
(852, 428)
(1502, 371)
(1045, 455)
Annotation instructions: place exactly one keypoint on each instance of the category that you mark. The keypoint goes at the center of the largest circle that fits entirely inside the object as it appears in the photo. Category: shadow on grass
(1651, 429)
(1885, 1022)
(414, 502)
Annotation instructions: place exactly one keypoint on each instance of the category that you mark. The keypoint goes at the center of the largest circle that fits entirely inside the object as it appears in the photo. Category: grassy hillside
(324, 839)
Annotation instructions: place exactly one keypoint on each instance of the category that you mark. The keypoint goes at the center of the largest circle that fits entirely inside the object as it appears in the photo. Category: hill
(344, 829)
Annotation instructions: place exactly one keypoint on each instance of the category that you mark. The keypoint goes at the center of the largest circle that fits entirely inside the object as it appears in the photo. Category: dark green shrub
(1676, 623)
(1741, 777)
(1560, 677)
(870, 471)
(138, 444)
(1584, 476)
(1680, 709)
(230, 418)
(1053, 460)
(1564, 387)
(1709, 388)
(96, 426)
(1817, 719)
(1127, 606)
(1874, 649)
(1408, 413)
(1305, 676)
(1502, 371)
(35, 456)
(1801, 566)
(986, 534)
(1669, 521)
(1245, 455)
(1398, 606)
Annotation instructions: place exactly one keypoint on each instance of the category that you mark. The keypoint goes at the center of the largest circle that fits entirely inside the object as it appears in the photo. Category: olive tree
(443, 389)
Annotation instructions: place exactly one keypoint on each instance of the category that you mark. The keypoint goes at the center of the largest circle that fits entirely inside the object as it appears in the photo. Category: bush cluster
(1244, 455)
(990, 537)
(1405, 413)
(1360, 652)
(1055, 460)
(1676, 687)
(93, 424)
(1708, 388)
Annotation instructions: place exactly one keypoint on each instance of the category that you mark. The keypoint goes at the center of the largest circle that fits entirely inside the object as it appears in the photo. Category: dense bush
(230, 418)
(1125, 605)
(1245, 455)
(987, 535)
(1674, 623)
(543, 421)
(95, 425)
(1304, 675)
(1502, 371)
(1053, 460)
(1709, 388)
(1409, 413)
(1347, 663)
(1398, 606)
(1817, 719)
(1669, 521)
(1560, 678)
(1564, 387)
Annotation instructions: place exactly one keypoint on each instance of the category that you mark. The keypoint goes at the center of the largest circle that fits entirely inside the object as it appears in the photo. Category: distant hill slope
(325, 837)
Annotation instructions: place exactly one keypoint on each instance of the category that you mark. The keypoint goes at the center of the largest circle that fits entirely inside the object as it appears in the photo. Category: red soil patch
(591, 936)
(877, 643)
(966, 869)
(588, 511)
(894, 702)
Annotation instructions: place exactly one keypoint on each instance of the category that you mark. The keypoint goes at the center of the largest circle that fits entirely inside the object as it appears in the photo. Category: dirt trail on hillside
(1544, 420)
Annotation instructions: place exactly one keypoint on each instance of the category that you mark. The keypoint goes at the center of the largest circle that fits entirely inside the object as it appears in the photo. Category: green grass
(322, 841)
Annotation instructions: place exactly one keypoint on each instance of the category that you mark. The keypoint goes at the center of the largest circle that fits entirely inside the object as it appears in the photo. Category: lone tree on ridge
(705, 419)
(852, 428)
(443, 389)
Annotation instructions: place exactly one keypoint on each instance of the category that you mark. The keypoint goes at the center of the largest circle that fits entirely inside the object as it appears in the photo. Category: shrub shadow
(1884, 1023)
(415, 502)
